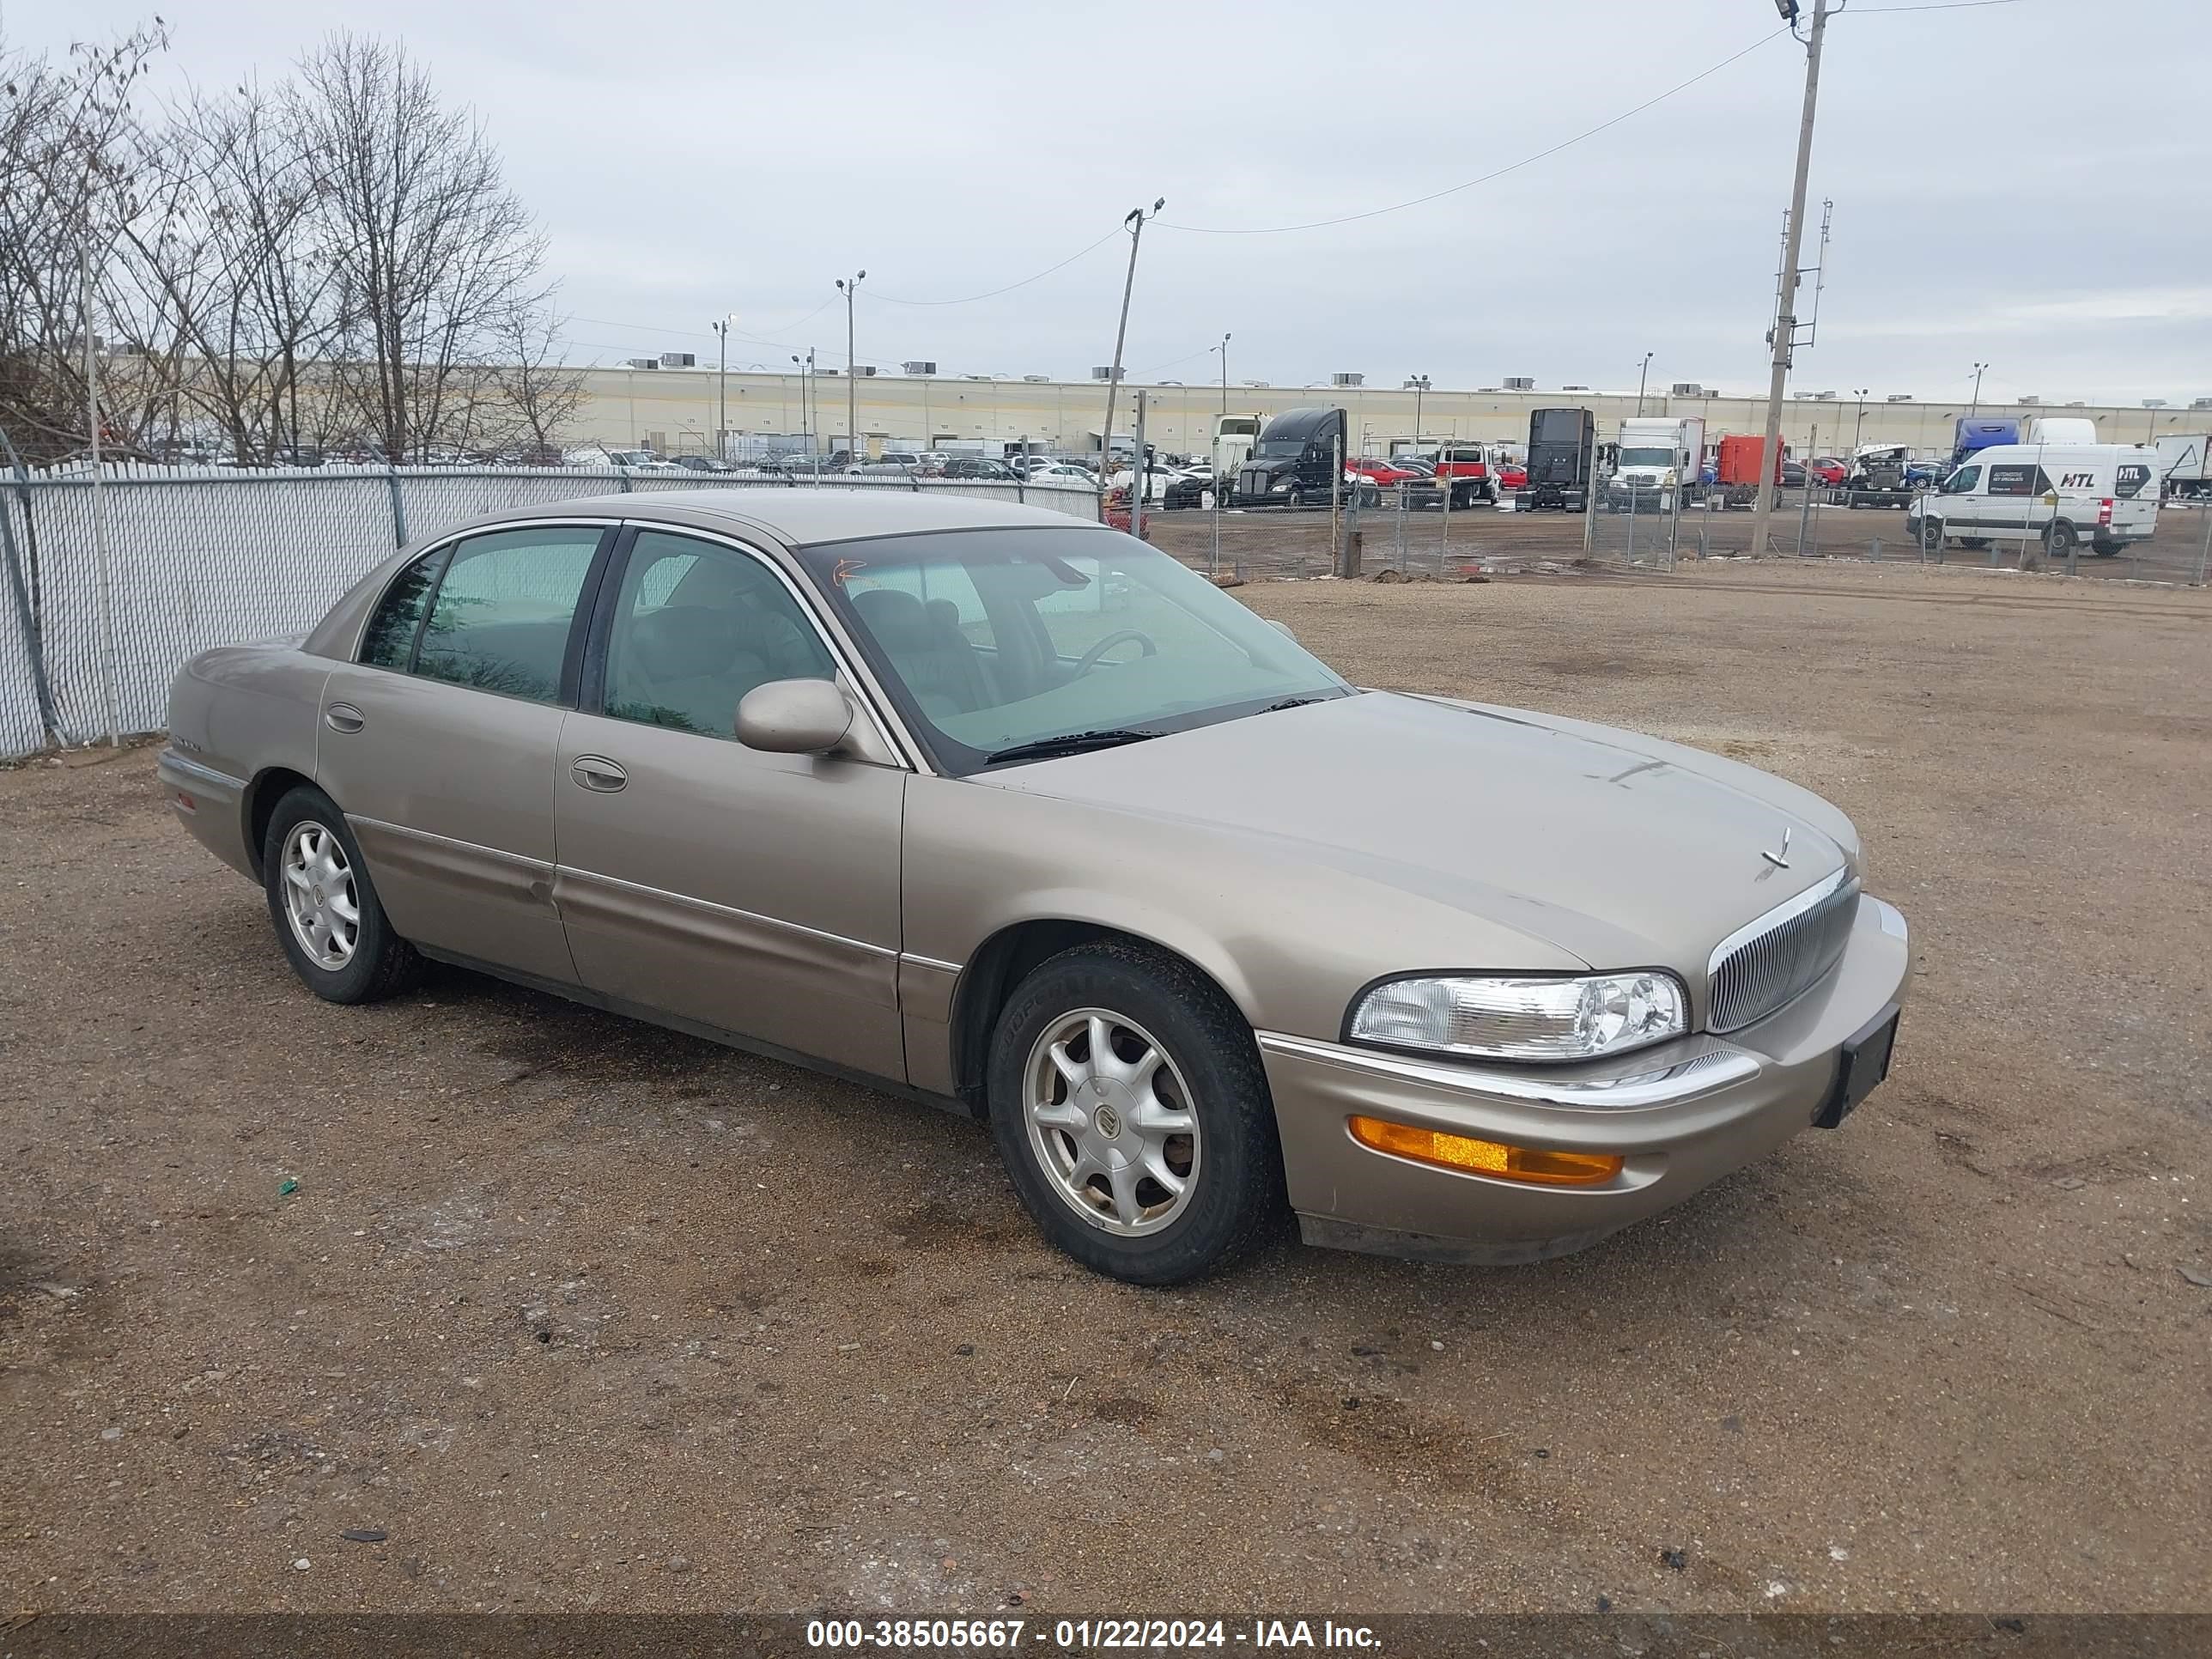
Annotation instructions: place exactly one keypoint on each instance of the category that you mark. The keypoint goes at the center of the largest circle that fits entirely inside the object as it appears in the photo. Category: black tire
(1931, 534)
(2060, 540)
(381, 964)
(1975, 543)
(1239, 1197)
(2106, 549)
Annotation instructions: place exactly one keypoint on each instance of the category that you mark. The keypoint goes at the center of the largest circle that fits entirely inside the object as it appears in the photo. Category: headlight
(1533, 1019)
(1669, 478)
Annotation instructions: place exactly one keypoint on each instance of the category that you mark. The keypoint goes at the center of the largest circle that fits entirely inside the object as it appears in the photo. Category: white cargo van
(2060, 495)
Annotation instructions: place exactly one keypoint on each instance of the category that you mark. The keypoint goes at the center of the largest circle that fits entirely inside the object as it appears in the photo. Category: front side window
(1962, 482)
(989, 641)
(504, 608)
(697, 626)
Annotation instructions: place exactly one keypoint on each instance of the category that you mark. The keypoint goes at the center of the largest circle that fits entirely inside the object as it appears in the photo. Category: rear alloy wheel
(324, 908)
(1129, 1104)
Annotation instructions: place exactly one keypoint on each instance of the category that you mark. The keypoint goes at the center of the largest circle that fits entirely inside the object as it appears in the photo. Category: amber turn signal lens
(1489, 1158)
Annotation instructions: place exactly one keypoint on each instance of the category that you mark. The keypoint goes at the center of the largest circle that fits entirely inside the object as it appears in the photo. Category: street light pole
(851, 378)
(1135, 224)
(1976, 407)
(1420, 384)
(1785, 309)
(1225, 374)
(722, 395)
(1859, 426)
(1642, 370)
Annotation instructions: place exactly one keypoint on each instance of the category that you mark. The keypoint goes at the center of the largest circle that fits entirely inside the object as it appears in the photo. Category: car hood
(1619, 849)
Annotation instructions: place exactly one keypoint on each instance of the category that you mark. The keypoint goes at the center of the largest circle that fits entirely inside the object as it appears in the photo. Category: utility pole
(1223, 349)
(852, 376)
(1135, 224)
(1642, 370)
(1420, 384)
(722, 395)
(1785, 310)
(1975, 408)
(1859, 426)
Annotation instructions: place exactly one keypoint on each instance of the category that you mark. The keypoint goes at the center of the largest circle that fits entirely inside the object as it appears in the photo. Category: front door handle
(344, 717)
(597, 772)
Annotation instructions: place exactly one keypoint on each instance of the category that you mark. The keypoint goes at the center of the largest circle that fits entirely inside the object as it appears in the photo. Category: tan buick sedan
(1012, 813)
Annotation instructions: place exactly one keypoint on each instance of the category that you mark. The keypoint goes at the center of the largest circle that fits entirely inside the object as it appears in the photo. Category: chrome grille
(1777, 959)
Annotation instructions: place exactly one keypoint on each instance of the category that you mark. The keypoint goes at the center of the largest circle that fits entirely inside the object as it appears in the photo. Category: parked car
(1384, 475)
(980, 468)
(1793, 475)
(1013, 814)
(1165, 487)
(1062, 472)
(1828, 470)
(704, 463)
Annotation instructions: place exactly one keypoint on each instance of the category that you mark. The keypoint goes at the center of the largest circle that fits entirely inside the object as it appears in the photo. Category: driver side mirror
(794, 717)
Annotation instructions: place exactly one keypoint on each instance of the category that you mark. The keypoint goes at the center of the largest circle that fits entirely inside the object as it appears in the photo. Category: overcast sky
(2024, 183)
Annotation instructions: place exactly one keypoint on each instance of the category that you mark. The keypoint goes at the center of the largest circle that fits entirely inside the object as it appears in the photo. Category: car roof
(805, 517)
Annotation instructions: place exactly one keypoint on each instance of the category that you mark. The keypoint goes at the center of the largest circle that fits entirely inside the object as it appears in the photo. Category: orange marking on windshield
(846, 567)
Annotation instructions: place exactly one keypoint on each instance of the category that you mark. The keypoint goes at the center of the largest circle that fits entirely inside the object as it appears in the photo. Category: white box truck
(1659, 457)
(2185, 467)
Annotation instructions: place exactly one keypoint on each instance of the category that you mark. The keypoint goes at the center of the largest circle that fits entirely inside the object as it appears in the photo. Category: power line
(994, 293)
(1933, 5)
(1454, 190)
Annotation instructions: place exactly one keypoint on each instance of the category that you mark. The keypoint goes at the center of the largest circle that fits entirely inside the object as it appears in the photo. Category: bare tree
(232, 259)
(66, 190)
(541, 396)
(429, 250)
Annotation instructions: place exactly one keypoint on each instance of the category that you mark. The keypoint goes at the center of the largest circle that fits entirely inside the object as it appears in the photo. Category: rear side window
(504, 608)
(390, 641)
(2130, 479)
(2017, 478)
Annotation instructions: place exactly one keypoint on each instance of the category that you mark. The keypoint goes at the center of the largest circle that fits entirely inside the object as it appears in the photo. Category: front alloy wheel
(1127, 1101)
(1110, 1122)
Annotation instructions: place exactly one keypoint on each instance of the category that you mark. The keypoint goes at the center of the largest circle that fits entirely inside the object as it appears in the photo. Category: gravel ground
(556, 1312)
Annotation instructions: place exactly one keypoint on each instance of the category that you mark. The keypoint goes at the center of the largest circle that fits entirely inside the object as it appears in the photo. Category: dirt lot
(571, 1312)
(1279, 542)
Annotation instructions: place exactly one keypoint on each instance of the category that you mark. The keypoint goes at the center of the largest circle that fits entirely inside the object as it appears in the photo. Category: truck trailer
(2185, 467)
(1562, 446)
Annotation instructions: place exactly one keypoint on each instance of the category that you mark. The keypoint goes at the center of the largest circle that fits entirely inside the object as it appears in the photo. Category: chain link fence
(109, 589)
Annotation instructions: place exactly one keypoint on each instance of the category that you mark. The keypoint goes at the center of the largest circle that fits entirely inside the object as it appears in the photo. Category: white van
(2060, 495)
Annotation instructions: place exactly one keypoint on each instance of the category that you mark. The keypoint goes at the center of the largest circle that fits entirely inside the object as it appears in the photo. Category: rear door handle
(597, 772)
(344, 717)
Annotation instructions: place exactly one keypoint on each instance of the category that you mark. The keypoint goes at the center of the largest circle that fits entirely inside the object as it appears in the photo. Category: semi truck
(1295, 461)
(1233, 437)
(1973, 433)
(1659, 456)
(1562, 447)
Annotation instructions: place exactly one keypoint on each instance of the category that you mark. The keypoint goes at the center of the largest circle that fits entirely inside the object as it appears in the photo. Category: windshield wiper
(1291, 702)
(1072, 743)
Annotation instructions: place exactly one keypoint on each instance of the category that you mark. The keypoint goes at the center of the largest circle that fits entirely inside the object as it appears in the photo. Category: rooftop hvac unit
(644, 362)
(1520, 383)
(1105, 372)
(917, 369)
(679, 360)
(828, 371)
(1687, 389)
(1574, 388)
(2154, 402)
(2027, 398)
(864, 368)
(2194, 403)
(1347, 380)
(2078, 404)
(1036, 379)
(1824, 397)
(974, 377)
(1898, 397)
(1259, 383)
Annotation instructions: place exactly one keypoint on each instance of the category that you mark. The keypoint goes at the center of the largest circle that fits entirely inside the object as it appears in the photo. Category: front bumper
(1682, 1115)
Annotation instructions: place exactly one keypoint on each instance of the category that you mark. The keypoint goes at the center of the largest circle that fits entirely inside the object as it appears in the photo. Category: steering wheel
(1089, 660)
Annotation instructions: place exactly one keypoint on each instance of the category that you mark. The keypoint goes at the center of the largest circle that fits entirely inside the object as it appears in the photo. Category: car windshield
(991, 640)
(1647, 458)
